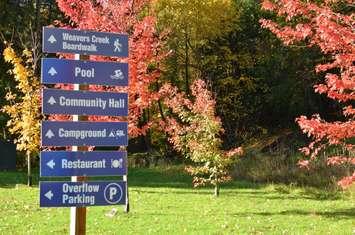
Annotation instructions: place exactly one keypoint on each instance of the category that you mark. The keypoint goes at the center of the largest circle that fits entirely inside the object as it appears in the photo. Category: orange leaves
(196, 133)
(349, 111)
(333, 33)
(237, 151)
(339, 160)
(268, 6)
(145, 48)
(333, 132)
(347, 181)
(303, 164)
(288, 35)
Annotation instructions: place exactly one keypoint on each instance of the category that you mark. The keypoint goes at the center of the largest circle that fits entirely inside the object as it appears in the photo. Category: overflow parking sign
(81, 194)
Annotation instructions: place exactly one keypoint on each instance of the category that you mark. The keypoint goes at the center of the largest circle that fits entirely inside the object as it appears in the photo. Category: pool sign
(55, 71)
(55, 133)
(82, 194)
(57, 101)
(96, 163)
(84, 42)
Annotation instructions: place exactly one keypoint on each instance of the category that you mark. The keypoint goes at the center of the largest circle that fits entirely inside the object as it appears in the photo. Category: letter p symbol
(113, 192)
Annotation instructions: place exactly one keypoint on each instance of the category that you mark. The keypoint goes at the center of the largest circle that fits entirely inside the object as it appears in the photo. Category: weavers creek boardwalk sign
(84, 42)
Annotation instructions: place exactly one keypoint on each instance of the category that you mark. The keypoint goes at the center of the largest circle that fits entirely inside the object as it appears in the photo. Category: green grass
(163, 202)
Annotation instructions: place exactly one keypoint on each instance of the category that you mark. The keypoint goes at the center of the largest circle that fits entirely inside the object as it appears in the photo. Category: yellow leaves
(27, 53)
(9, 109)
(9, 54)
(198, 19)
(20, 73)
(24, 110)
(10, 96)
(23, 74)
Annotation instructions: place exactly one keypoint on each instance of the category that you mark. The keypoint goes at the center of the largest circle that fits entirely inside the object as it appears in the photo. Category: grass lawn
(163, 202)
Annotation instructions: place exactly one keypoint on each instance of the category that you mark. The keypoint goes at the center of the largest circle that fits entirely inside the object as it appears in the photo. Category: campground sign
(84, 133)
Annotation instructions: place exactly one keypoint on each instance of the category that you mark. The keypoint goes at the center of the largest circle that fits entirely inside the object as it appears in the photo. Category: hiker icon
(118, 45)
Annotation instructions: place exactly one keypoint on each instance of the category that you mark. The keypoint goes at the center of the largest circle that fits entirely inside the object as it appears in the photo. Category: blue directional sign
(84, 133)
(82, 194)
(56, 101)
(84, 42)
(97, 163)
(55, 71)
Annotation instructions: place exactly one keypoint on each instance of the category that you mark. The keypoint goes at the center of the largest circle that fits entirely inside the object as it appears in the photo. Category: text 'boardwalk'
(84, 42)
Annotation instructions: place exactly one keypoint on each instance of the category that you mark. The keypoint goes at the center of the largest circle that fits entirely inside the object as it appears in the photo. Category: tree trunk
(29, 175)
(187, 85)
(216, 190)
(147, 137)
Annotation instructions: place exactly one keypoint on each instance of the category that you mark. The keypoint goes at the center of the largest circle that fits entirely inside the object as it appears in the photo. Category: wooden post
(78, 214)
(29, 174)
(126, 209)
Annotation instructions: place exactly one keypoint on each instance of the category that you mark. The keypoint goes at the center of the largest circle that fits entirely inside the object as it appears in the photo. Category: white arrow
(51, 164)
(111, 134)
(49, 134)
(52, 71)
(49, 195)
(51, 101)
(52, 39)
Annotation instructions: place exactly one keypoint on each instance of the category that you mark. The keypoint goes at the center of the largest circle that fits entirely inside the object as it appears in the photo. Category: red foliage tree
(123, 16)
(317, 24)
(195, 131)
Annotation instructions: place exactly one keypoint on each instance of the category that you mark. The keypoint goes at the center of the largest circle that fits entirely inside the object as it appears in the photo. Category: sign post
(78, 214)
(79, 133)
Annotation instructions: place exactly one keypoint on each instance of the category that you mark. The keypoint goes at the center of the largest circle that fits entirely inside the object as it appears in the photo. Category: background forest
(258, 85)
